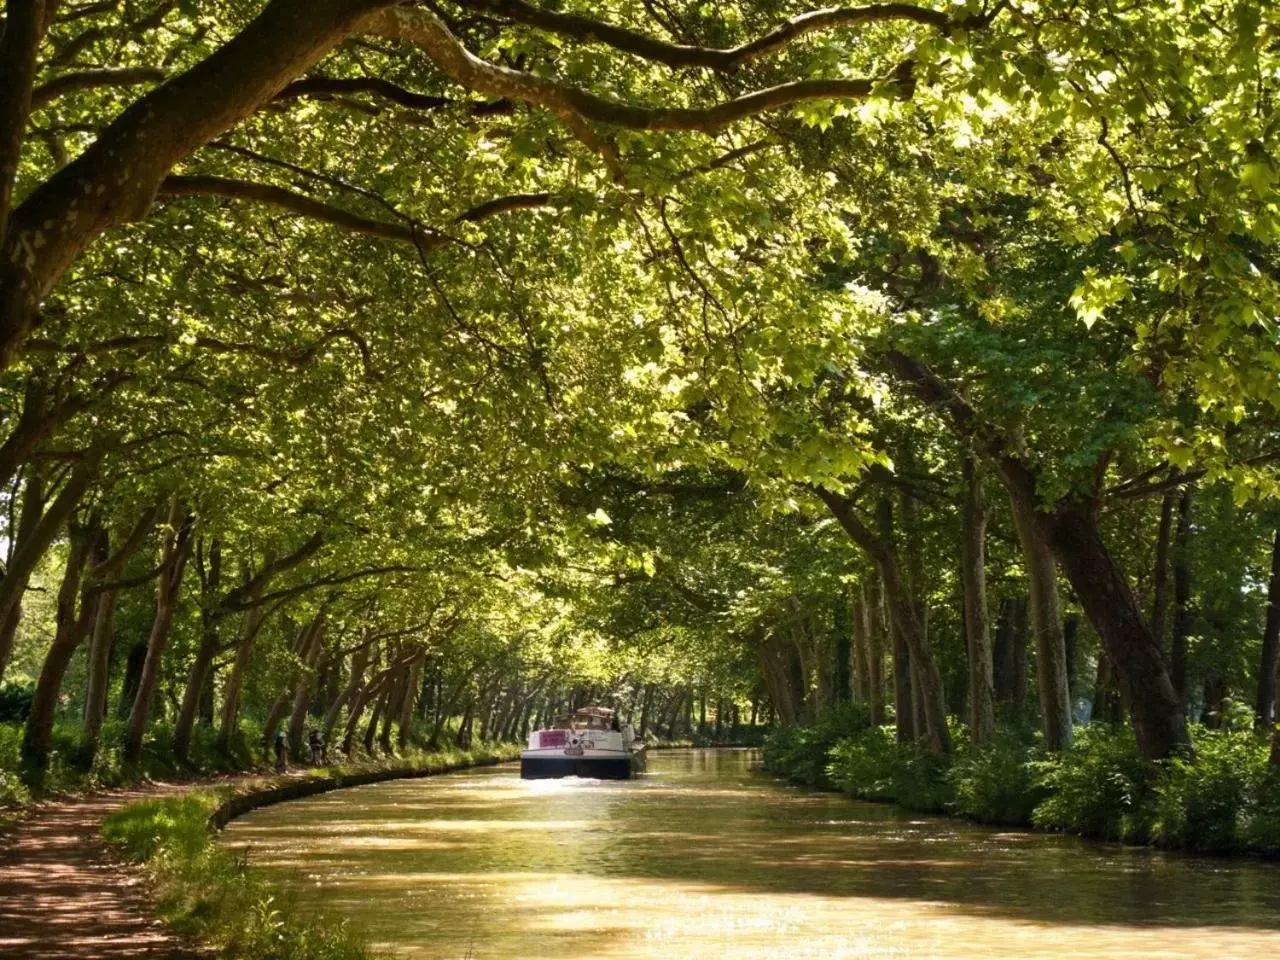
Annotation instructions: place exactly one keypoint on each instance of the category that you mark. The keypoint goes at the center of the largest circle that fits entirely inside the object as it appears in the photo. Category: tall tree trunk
(177, 548)
(33, 504)
(842, 673)
(1071, 643)
(1265, 707)
(973, 578)
(395, 699)
(249, 628)
(70, 629)
(874, 618)
(904, 713)
(1160, 576)
(462, 739)
(861, 658)
(102, 636)
(1046, 626)
(98, 670)
(42, 526)
(1181, 598)
(1021, 648)
(199, 678)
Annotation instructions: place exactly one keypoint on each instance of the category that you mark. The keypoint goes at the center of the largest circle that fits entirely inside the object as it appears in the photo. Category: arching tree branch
(683, 55)
(421, 27)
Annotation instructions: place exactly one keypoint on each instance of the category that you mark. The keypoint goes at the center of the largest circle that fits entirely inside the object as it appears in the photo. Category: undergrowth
(1225, 800)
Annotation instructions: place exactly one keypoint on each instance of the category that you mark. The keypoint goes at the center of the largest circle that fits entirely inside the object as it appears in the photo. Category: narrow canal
(707, 857)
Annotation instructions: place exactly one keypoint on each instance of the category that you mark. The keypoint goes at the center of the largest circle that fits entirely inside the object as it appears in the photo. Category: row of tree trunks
(904, 616)
(306, 682)
(1070, 528)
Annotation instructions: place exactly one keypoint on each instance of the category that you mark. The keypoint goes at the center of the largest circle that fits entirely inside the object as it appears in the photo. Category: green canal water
(706, 857)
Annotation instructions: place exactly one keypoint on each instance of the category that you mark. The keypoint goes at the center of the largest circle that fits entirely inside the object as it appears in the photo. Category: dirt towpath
(64, 894)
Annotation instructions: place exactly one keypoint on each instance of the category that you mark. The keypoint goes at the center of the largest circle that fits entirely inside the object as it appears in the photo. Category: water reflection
(705, 857)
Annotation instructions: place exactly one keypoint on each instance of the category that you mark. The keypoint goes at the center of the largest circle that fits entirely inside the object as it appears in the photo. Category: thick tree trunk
(177, 548)
(43, 526)
(973, 578)
(1113, 610)
(1265, 706)
(70, 629)
(1046, 626)
(115, 180)
(1181, 598)
(395, 699)
(379, 711)
(33, 504)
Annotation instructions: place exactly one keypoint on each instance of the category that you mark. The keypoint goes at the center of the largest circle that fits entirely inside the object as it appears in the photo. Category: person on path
(315, 740)
(282, 753)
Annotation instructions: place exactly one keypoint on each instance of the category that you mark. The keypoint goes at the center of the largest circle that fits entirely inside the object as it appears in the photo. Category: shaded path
(65, 895)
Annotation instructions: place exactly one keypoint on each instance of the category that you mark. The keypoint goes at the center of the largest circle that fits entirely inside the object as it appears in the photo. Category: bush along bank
(205, 892)
(1226, 800)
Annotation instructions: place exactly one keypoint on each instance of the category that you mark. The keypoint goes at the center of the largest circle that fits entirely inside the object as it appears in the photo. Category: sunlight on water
(706, 858)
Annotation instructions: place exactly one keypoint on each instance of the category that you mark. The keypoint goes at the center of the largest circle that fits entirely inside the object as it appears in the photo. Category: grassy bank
(1225, 801)
(205, 892)
(74, 768)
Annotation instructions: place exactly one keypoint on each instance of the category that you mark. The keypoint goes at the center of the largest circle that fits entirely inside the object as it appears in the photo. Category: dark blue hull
(551, 768)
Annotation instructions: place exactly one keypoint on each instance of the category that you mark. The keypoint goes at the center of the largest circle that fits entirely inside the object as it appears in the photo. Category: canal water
(707, 857)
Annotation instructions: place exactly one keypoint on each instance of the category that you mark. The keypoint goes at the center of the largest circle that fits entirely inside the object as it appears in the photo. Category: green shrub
(1262, 830)
(998, 781)
(802, 754)
(1209, 803)
(1099, 788)
(874, 766)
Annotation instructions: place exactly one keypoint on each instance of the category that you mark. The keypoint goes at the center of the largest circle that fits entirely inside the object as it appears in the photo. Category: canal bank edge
(204, 892)
(265, 793)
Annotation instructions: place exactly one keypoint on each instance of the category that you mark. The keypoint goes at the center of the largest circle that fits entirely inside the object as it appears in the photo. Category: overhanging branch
(684, 55)
(423, 28)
